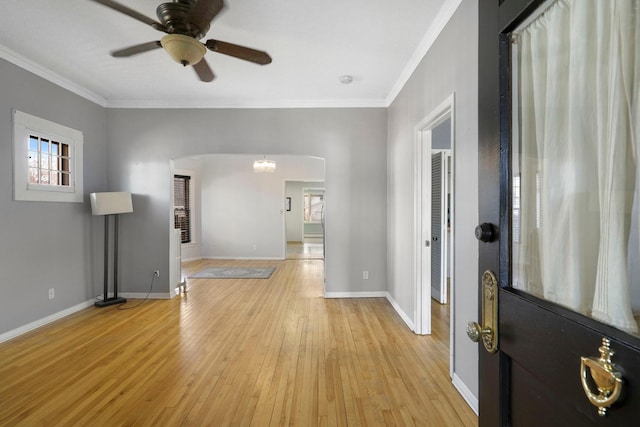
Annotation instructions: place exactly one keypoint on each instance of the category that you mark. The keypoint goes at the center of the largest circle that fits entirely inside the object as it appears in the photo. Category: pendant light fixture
(264, 165)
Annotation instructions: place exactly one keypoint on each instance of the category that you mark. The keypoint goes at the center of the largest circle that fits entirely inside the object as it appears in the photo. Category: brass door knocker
(599, 372)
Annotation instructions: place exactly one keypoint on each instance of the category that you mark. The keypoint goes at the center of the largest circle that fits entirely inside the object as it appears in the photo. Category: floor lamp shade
(114, 202)
(110, 204)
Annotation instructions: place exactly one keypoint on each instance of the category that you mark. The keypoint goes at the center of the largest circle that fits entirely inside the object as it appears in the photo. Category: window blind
(182, 206)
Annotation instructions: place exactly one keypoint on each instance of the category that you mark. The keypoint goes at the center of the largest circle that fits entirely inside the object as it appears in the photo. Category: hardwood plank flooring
(233, 352)
(309, 249)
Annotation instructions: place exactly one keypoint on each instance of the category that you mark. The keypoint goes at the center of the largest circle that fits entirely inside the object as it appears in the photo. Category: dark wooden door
(534, 379)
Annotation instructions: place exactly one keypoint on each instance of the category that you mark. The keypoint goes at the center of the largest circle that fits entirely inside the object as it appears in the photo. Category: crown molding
(40, 71)
(250, 103)
(442, 18)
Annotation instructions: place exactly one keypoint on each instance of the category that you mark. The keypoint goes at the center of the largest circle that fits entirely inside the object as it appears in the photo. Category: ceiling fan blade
(237, 51)
(134, 50)
(203, 12)
(132, 13)
(204, 71)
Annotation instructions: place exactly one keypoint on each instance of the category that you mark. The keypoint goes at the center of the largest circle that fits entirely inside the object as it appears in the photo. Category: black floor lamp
(111, 204)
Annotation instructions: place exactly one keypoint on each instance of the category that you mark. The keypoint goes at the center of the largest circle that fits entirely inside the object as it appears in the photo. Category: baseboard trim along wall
(462, 388)
(374, 294)
(466, 393)
(45, 320)
(401, 313)
(64, 313)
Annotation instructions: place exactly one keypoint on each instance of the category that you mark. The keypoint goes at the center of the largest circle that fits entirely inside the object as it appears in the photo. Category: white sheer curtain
(578, 72)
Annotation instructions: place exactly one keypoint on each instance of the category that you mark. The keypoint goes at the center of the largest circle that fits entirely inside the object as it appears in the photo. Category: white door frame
(422, 215)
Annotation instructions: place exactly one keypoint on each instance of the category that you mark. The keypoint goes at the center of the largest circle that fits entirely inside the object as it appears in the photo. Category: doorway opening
(236, 213)
(434, 227)
(304, 219)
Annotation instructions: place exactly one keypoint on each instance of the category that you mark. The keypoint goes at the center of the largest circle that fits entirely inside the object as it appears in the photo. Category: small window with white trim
(313, 206)
(47, 160)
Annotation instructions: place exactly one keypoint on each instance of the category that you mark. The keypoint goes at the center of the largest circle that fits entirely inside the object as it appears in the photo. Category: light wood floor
(309, 249)
(231, 353)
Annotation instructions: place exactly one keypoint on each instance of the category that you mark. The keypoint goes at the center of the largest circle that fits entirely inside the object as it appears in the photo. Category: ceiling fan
(185, 22)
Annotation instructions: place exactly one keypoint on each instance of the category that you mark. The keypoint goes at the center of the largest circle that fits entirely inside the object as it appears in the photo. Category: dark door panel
(533, 404)
(534, 379)
(546, 349)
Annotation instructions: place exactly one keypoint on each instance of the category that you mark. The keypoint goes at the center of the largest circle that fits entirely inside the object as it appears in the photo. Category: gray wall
(449, 67)
(45, 244)
(352, 142)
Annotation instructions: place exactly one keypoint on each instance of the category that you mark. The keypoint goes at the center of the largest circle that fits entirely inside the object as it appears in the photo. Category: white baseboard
(401, 312)
(466, 393)
(373, 294)
(41, 322)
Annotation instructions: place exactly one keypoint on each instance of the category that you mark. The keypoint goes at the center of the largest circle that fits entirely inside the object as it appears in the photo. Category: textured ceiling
(312, 44)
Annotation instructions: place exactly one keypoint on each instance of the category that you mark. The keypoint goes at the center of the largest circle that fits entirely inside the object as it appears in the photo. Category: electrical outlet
(365, 275)
(52, 293)
(156, 273)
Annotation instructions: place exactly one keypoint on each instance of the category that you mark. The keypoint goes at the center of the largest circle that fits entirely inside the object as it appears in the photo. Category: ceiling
(312, 43)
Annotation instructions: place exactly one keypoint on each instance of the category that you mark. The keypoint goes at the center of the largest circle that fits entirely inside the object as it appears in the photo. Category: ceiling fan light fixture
(183, 49)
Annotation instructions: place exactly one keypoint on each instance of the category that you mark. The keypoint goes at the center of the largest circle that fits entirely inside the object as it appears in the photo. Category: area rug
(234, 273)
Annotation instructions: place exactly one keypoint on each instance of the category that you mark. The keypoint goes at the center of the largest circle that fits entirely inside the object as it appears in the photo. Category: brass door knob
(489, 332)
(475, 332)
